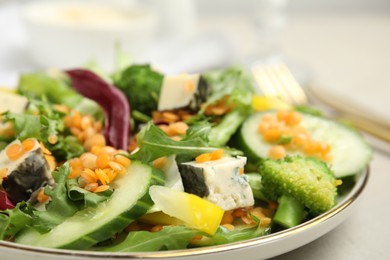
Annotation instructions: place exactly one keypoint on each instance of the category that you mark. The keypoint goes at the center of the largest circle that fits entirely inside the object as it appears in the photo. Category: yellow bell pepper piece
(263, 103)
(194, 211)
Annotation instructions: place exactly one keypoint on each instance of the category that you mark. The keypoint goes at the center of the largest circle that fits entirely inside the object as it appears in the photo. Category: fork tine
(269, 83)
(276, 80)
(292, 85)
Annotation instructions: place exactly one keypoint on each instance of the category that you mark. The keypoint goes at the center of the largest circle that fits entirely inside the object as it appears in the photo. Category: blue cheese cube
(26, 175)
(177, 91)
(218, 181)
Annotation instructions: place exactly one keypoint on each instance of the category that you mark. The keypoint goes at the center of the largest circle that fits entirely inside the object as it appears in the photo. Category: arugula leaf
(169, 238)
(231, 82)
(25, 126)
(42, 121)
(154, 143)
(224, 236)
(60, 206)
(14, 220)
(91, 199)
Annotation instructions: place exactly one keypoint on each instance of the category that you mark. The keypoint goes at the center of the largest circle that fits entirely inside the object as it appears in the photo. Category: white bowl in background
(69, 33)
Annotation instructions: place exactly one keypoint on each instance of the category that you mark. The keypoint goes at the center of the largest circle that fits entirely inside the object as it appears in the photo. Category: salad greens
(80, 125)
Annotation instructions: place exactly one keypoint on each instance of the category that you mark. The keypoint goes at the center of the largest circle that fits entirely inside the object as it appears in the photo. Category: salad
(138, 161)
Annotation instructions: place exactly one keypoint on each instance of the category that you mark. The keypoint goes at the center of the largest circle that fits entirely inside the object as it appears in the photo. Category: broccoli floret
(310, 181)
(142, 86)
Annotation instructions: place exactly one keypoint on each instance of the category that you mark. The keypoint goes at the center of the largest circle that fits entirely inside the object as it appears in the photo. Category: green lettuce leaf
(90, 199)
(232, 82)
(42, 121)
(154, 143)
(169, 238)
(25, 126)
(56, 89)
(60, 206)
(14, 220)
(224, 236)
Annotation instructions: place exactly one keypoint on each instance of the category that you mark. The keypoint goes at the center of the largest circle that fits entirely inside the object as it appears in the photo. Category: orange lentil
(117, 167)
(96, 139)
(227, 218)
(277, 152)
(293, 118)
(228, 226)
(75, 131)
(263, 127)
(218, 110)
(237, 213)
(101, 188)
(272, 134)
(96, 149)
(91, 186)
(88, 160)
(41, 196)
(170, 117)
(121, 159)
(134, 226)
(102, 176)
(156, 228)
(299, 139)
(89, 175)
(28, 144)
(264, 222)
(197, 238)
(203, 158)
(14, 151)
(281, 115)
(159, 162)
(111, 174)
(76, 163)
(167, 130)
(86, 122)
(98, 126)
(179, 128)
(76, 119)
(216, 155)
(109, 150)
(74, 173)
(102, 160)
(89, 131)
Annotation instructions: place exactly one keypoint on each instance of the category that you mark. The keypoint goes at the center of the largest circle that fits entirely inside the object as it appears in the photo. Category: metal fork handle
(347, 111)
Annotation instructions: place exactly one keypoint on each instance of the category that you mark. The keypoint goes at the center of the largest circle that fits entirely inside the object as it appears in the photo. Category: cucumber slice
(350, 151)
(129, 201)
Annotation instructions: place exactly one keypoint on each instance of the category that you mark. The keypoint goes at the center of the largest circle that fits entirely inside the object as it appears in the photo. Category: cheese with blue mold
(178, 91)
(219, 181)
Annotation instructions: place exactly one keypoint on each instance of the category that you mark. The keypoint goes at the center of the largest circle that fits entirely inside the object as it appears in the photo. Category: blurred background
(339, 45)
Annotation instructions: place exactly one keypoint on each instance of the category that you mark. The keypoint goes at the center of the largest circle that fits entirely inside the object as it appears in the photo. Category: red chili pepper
(5, 202)
(111, 99)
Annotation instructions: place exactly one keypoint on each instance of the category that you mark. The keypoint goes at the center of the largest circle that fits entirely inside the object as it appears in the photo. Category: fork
(276, 80)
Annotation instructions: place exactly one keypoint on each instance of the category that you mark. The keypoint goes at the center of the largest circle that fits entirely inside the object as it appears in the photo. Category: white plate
(259, 248)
